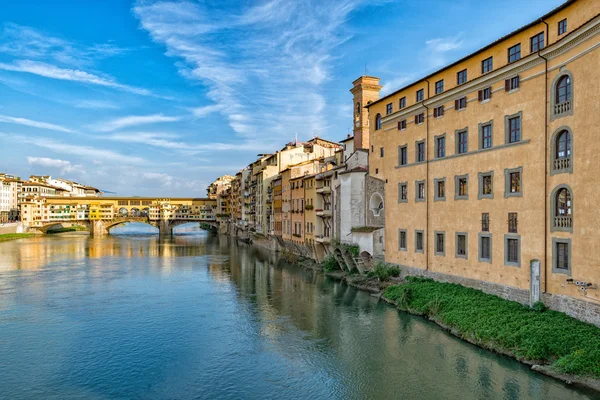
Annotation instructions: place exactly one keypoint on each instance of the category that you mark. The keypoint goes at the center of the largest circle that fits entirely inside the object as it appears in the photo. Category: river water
(198, 316)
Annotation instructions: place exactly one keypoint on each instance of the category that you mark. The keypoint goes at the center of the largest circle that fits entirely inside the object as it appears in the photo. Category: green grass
(13, 236)
(75, 228)
(539, 335)
(383, 272)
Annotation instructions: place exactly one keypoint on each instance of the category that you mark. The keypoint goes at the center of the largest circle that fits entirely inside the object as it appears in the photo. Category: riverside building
(490, 163)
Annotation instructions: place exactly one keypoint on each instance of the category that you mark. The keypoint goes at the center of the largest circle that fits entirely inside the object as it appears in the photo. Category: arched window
(563, 144)
(562, 95)
(561, 153)
(358, 108)
(378, 122)
(123, 212)
(376, 204)
(563, 89)
(562, 209)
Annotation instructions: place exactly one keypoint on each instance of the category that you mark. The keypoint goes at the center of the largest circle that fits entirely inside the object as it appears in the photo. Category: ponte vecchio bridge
(100, 214)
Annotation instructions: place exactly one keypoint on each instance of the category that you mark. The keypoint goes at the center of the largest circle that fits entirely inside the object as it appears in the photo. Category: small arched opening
(376, 204)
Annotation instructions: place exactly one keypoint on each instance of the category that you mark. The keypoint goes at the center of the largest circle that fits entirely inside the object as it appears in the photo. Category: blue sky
(158, 98)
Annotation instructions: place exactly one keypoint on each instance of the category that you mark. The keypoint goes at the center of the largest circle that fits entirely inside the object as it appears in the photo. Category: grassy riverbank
(13, 236)
(536, 336)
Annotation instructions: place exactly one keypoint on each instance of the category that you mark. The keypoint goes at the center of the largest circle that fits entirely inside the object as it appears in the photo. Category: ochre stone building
(491, 162)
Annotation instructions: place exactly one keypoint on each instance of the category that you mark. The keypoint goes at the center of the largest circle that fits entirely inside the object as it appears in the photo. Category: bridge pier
(165, 228)
(98, 228)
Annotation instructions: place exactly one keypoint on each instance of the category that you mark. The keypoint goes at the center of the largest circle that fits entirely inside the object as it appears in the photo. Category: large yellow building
(487, 160)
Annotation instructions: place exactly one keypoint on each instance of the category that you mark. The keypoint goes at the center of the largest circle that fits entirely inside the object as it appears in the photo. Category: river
(198, 316)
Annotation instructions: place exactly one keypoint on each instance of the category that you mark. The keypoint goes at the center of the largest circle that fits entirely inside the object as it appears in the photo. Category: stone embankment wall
(14, 227)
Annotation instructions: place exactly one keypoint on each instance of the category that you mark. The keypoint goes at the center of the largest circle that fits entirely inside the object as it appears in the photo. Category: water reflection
(200, 316)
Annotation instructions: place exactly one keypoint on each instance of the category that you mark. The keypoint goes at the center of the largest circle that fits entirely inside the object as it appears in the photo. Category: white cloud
(436, 50)
(264, 66)
(95, 104)
(74, 75)
(93, 153)
(63, 165)
(34, 124)
(393, 84)
(133, 120)
(201, 112)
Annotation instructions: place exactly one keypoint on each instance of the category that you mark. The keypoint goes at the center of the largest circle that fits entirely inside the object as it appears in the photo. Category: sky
(159, 98)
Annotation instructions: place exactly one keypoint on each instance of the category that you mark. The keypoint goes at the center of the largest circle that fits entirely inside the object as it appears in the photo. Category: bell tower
(366, 89)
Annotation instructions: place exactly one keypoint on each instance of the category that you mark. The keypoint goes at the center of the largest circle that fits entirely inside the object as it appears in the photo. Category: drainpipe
(426, 178)
(546, 105)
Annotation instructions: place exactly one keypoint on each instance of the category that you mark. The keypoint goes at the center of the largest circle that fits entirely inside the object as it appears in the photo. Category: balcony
(563, 222)
(561, 164)
(323, 213)
(562, 108)
(324, 190)
(323, 239)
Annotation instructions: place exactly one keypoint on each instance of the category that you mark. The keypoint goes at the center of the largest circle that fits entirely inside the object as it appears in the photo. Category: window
(561, 153)
(485, 135)
(440, 189)
(402, 192)
(381, 152)
(562, 209)
(513, 128)
(512, 250)
(514, 53)
(461, 77)
(402, 125)
(372, 149)
(485, 222)
(460, 104)
(485, 247)
(511, 84)
(486, 185)
(439, 86)
(403, 155)
(484, 94)
(537, 42)
(461, 187)
(440, 238)
(512, 222)
(561, 256)
(438, 112)
(462, 141)
(402, 103)
(562, 96)
(461, 245)
(420, 191)
(513, 184)
(388, 108)
(402, 239)
(562, 26)
(418, 241)
(378, 122)
(419, 118)
(487, 65)
(440, 146)
(420, 95)
(420, 151)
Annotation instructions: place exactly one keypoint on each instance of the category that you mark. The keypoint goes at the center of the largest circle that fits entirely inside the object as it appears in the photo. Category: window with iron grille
(461, 77)
(402, 103)
(515, 182)
(562, 256)
(514, 53)
(388, 108)
(485, 222)
(487, 65)
(562, 26)
(420, 151)
(439, 86)
(537, 42)
(512, 250)
(461, 245)
(485, 248)
(512, 222)
(439, 243)
(420, 95)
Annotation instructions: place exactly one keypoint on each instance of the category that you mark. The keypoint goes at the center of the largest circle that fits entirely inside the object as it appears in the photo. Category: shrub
(535, 334)
(351, 249)
(330, 264)
(383, 272)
